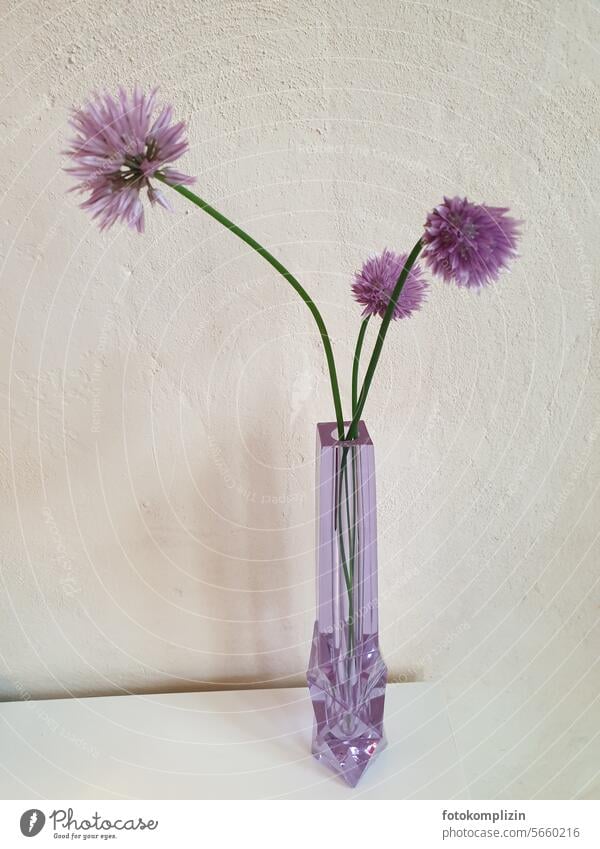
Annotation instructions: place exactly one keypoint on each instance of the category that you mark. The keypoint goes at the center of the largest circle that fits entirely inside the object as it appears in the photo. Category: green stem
(353, 536)
(385, 323)
(340, 531)
(347, 563)
(335, 389)
(356, 362)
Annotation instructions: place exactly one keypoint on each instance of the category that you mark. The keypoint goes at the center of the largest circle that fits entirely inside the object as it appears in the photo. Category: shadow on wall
(191, 570)
(256, 569)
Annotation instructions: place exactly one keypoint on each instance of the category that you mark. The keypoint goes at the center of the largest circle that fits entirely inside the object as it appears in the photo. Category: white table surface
(236, 744)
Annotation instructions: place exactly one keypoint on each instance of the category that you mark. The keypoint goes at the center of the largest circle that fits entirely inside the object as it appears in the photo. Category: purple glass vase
(346, 674)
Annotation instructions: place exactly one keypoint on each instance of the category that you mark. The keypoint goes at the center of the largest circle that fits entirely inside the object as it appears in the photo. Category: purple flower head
(374, 284)
(116, 150)
(469, 243)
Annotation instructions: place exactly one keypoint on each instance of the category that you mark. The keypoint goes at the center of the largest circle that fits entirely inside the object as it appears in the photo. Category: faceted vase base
(348, 699)
(348, 758)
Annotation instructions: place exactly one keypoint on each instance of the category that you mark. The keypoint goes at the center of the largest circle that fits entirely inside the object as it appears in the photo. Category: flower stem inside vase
(348, 539)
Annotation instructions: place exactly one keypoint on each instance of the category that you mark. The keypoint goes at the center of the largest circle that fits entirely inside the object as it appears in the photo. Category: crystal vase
(346, 674)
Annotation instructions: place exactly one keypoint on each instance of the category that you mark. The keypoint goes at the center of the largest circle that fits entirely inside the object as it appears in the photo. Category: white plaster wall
(159, 393)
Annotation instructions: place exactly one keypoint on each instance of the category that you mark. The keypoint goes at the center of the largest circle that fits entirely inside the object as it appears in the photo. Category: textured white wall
(160, 392)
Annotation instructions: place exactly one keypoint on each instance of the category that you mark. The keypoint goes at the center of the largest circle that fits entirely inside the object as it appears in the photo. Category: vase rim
(328, 434)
